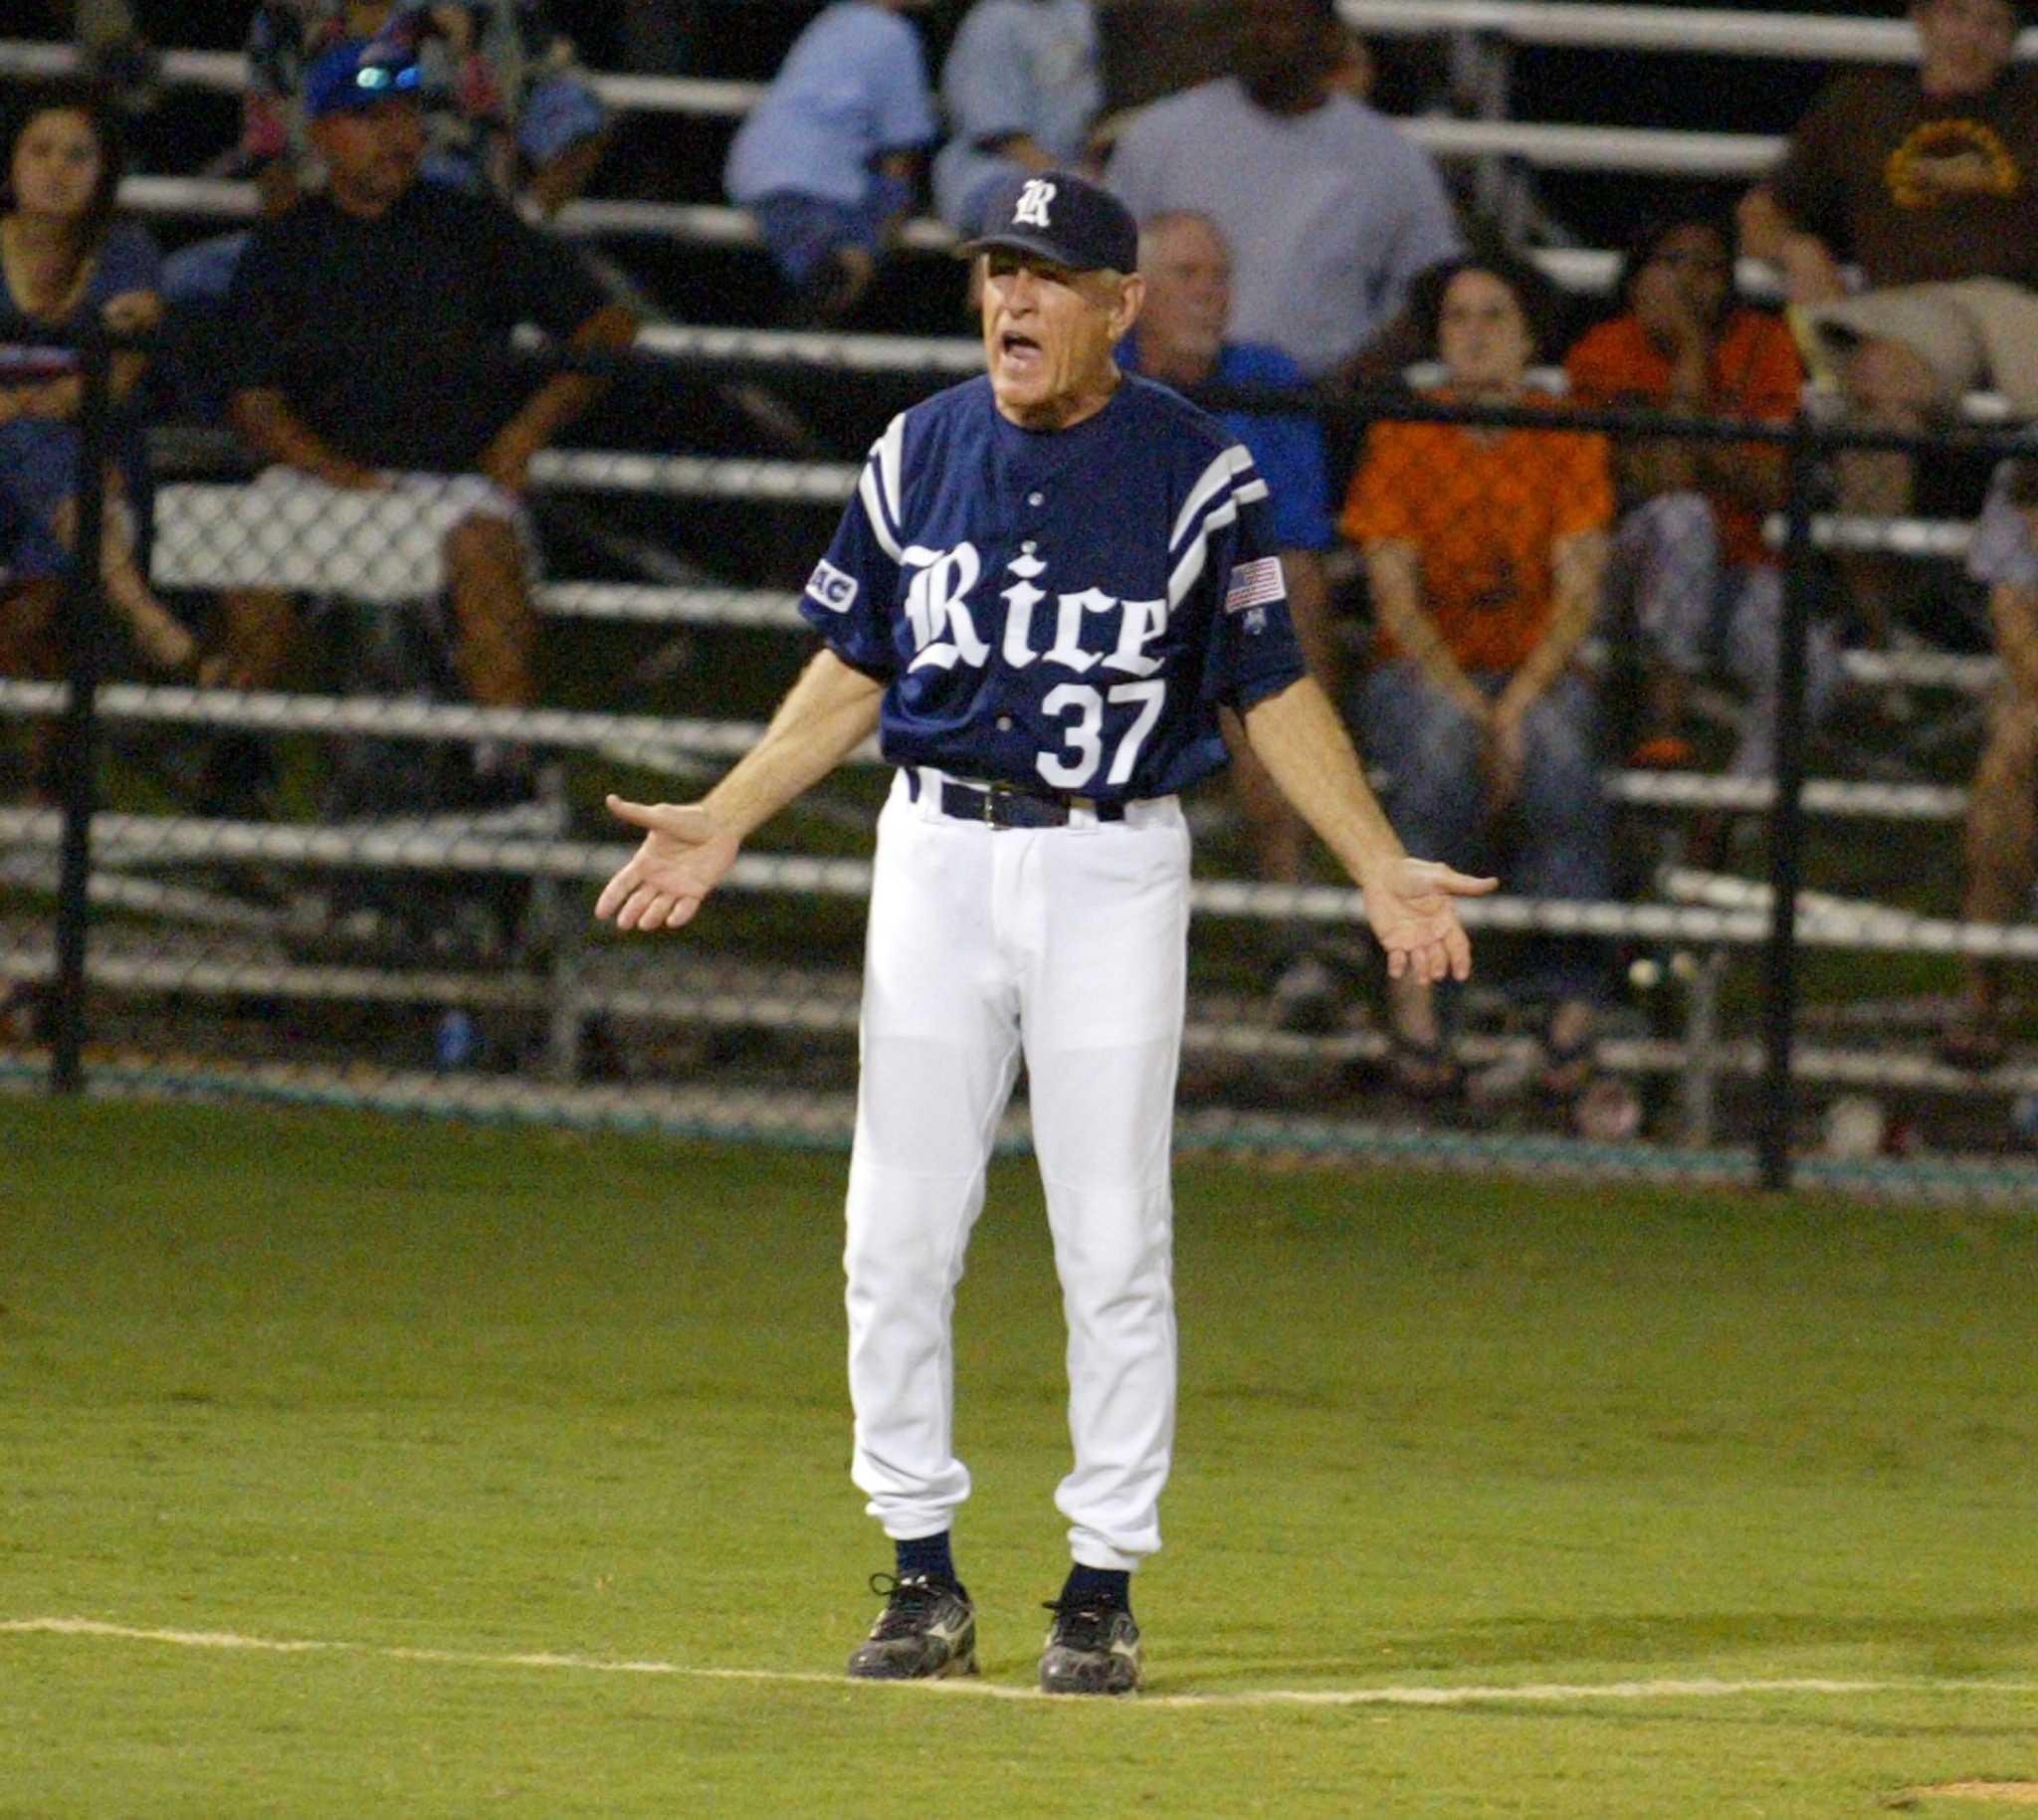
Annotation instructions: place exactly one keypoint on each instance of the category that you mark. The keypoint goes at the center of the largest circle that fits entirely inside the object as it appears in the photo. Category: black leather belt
(1002, 805)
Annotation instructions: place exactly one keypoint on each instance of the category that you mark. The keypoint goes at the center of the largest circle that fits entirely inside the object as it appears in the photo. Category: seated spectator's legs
(1904, 357)
(2002, 813)
(28, 630)
(487, 576)
(258, 632)
(1889, 386)
(39, 463)
(1665, 572)
(1433, 752)
(827, 251)
(1562, 847)
(2002, 858)
(29, 648)
(1754, 630)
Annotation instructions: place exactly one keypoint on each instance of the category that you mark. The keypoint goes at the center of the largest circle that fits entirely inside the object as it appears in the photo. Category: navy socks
(933, 1557)
(927, 1554)
(1098, 1586)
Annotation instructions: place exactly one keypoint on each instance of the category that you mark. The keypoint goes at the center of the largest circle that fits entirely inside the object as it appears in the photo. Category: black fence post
(1786, 816)
(84, 636)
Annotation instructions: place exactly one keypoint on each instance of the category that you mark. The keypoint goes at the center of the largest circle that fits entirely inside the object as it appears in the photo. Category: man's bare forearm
(1298, 737)
(1394, 573)
(271, 429)
(1810, 273)
(826, 715)
(1578, 565)
(564, 396)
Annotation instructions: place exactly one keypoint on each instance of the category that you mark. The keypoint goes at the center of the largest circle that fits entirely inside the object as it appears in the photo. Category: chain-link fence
(331, 828)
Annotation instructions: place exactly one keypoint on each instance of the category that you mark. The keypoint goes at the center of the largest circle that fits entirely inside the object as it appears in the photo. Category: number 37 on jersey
(1058, 625)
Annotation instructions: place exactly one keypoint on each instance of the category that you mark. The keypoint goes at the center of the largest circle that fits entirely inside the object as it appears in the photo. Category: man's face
(1284, 49)
(57, 164)
(1967, 43)
(1189, 292)
(1482, 336)
(1695, 258)
(1048, 335)
(372, 154)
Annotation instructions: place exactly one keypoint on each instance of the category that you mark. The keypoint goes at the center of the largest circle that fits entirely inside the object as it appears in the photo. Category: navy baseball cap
(1062, 217)
(357, 72)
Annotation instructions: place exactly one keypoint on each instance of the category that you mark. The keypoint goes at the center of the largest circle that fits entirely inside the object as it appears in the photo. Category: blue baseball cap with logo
(358, 73)
(1062, 217)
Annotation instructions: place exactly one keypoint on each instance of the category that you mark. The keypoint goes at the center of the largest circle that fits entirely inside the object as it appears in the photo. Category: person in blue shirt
(1021, 87)
(825, 162)
(1181, 341)
(1050, 583)
(69, 261)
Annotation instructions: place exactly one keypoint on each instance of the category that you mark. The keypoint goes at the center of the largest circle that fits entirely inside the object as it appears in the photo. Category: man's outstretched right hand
(682, 857)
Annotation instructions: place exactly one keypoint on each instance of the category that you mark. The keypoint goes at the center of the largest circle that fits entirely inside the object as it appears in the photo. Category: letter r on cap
(1033, 201)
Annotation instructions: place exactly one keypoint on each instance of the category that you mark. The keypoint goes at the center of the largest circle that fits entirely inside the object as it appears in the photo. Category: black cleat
(1093, 1649)
(927, 1630)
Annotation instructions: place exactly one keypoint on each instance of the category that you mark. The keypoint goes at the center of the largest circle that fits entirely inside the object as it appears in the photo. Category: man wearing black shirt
(374, 326)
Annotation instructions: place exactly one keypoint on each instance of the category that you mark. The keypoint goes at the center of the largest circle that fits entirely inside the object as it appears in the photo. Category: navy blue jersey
(1062, 609)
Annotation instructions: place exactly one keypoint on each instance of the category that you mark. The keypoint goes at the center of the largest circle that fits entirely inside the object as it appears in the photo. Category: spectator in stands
(1689, 570)
(1328, 211)
(1486, 552)
(1180, 340)
(116, 56)
(67, 262)
(505, 108)
(503, 103)
(827, 161)
(375, 358)
(2002, 813)
(1021, 87)
(1926, 179)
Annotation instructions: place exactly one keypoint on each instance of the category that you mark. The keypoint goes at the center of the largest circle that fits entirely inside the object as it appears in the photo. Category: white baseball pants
(1067, 946)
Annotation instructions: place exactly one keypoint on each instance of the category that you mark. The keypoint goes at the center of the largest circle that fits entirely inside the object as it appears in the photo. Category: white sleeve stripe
(1215, 477)
(889, 453)
(1254, 489)
(874, 510)
(1190, 568)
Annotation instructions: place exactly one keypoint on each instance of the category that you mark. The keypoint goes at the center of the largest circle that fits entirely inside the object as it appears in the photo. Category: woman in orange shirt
(1485, 551)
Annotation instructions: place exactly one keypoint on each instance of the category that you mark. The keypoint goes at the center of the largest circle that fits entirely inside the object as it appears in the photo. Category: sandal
(1424, 1072)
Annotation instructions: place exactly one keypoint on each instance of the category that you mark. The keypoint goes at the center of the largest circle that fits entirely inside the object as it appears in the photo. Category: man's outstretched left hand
(1409, 907)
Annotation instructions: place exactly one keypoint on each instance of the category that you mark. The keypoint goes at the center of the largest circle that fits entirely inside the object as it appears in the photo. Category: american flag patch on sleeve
(1256, 583)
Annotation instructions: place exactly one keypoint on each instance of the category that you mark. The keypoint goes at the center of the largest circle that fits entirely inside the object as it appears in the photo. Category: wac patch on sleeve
(830, 587)
(1255, 584)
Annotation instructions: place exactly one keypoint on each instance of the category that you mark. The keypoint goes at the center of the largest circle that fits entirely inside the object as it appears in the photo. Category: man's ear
(1131, 299)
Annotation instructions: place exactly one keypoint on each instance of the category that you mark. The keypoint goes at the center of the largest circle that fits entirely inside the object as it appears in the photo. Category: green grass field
(530, 1431)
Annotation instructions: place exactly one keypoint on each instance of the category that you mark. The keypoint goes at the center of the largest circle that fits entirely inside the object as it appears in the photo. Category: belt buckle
(991, 794)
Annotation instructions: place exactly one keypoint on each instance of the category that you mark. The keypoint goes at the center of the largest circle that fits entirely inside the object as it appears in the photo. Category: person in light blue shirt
(1021, 87)
(825, 162)
(1331, 212)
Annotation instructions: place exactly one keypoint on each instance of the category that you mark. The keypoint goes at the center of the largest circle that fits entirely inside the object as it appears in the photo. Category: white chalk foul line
(1538, 1692)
